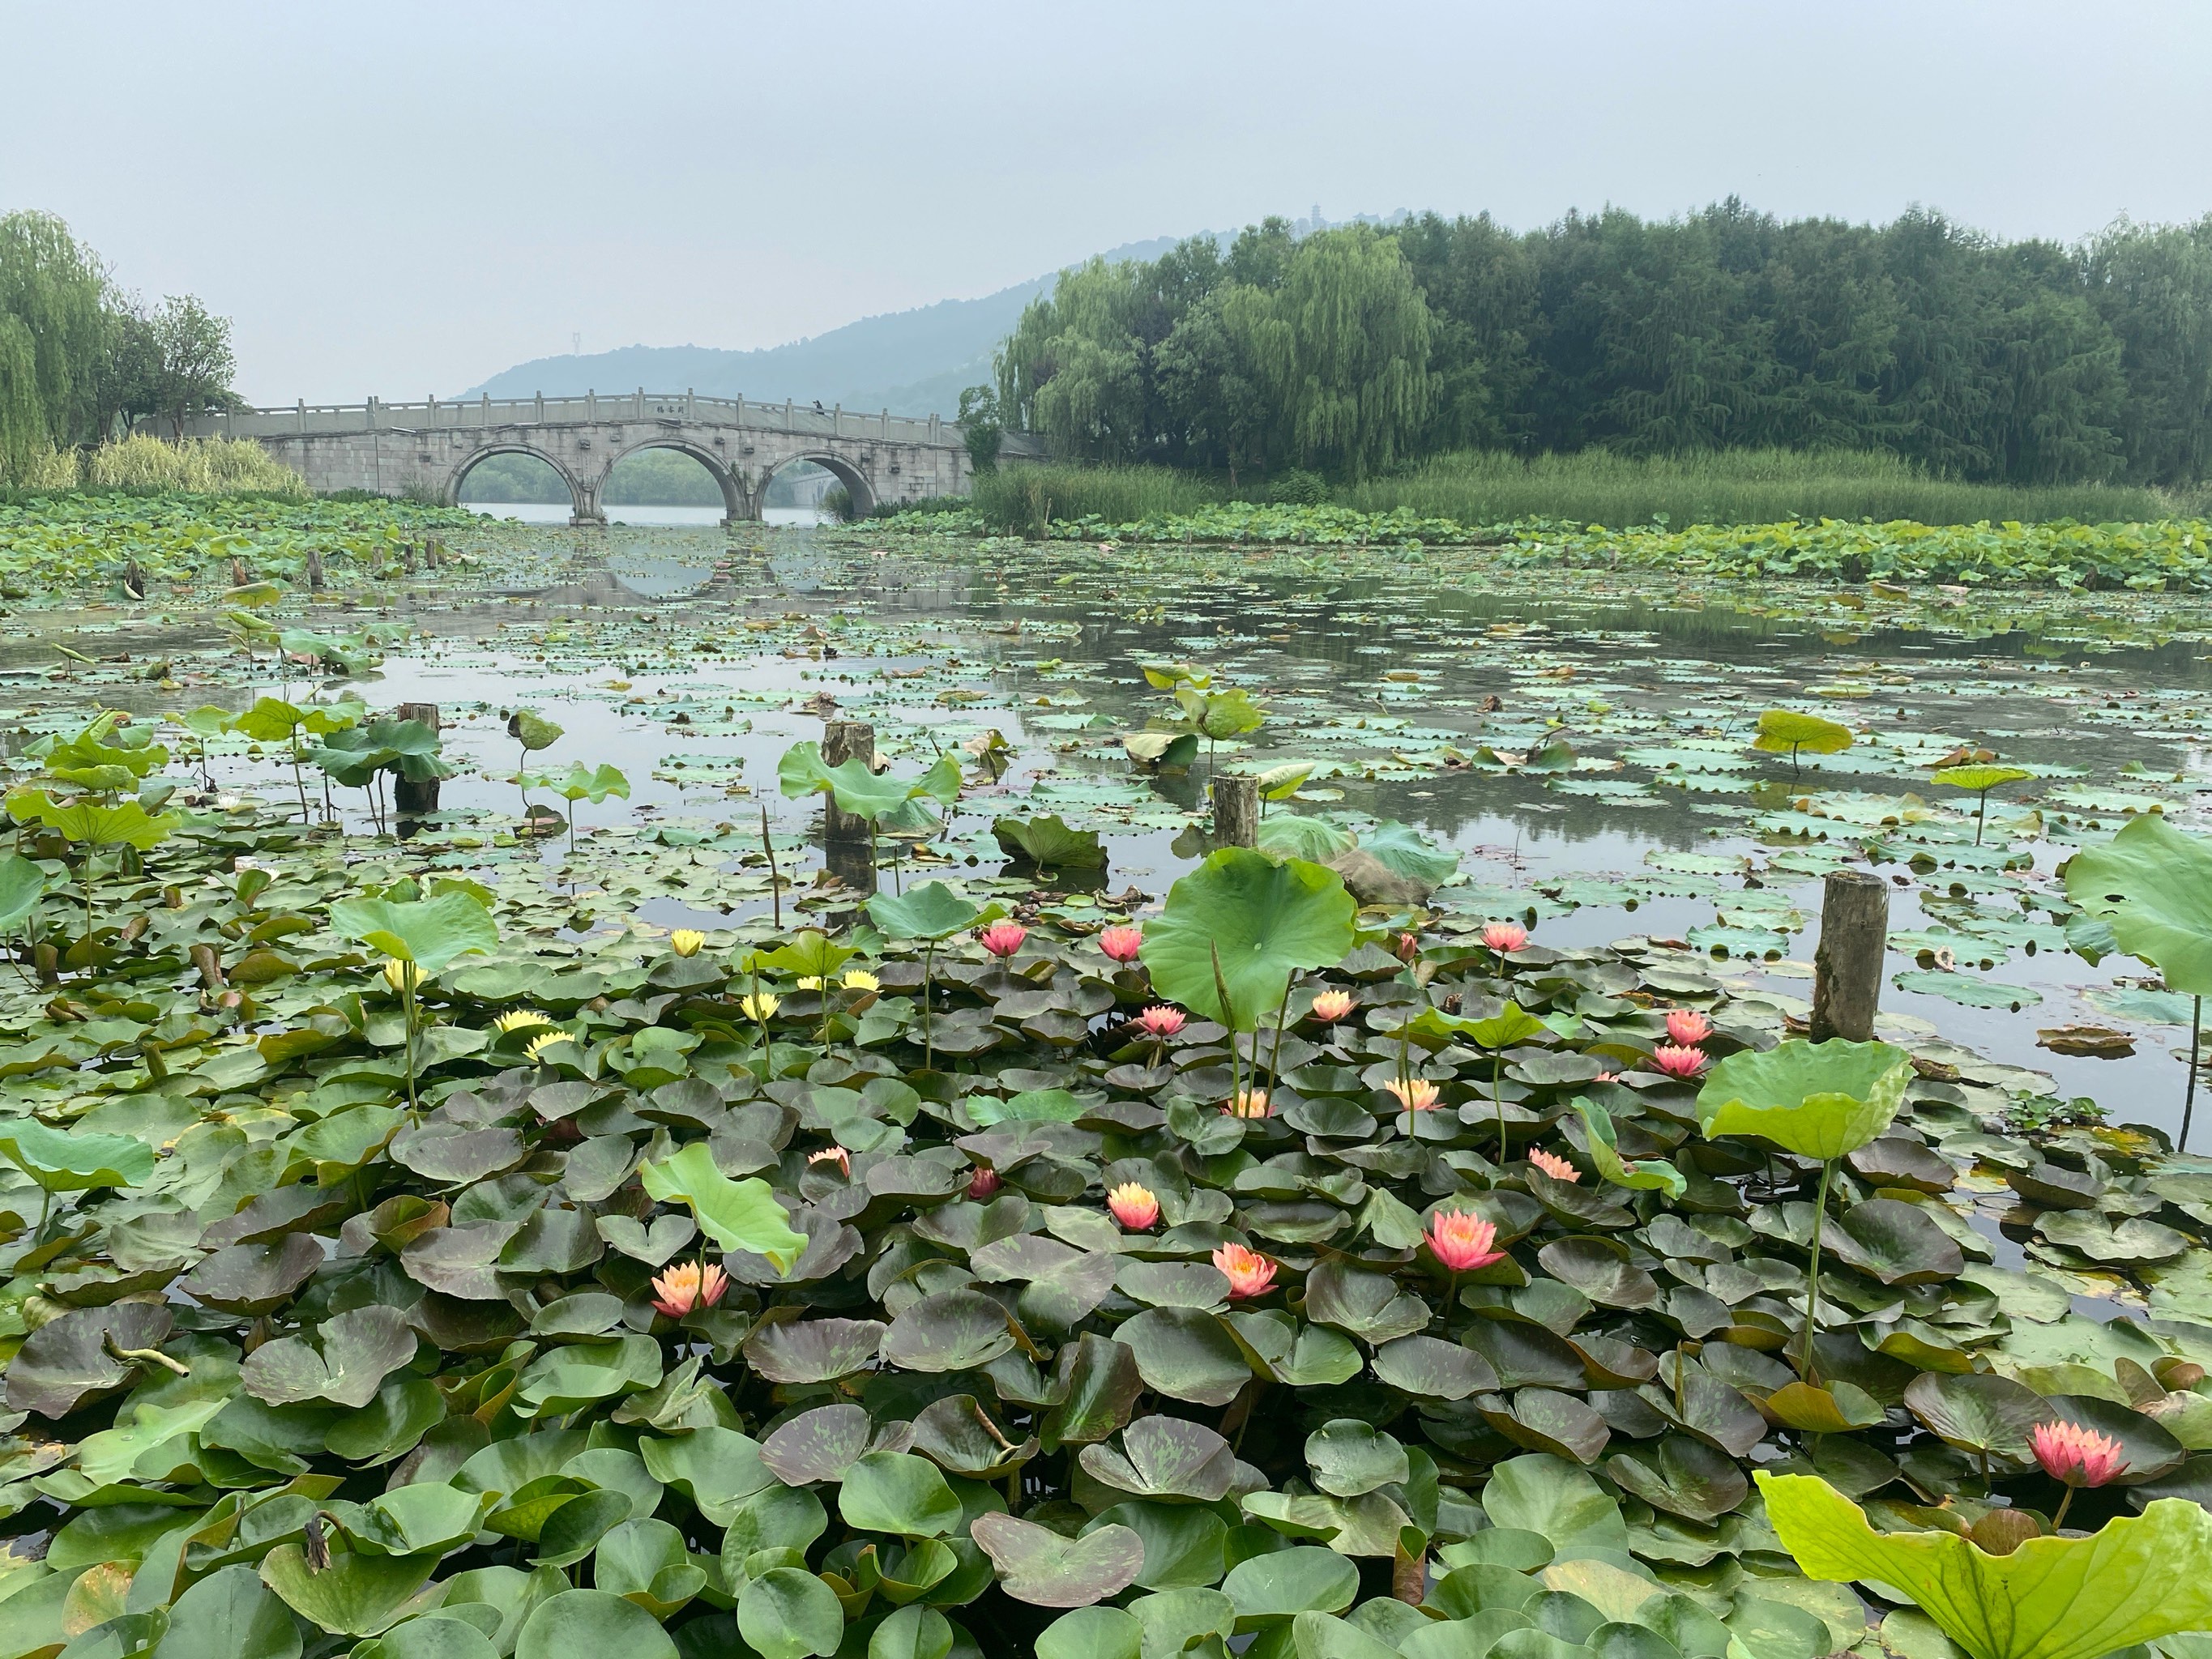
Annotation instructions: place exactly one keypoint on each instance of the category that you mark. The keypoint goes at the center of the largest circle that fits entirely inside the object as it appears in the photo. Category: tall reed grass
(1754, 486)
(1019, 498)
(143, 464)
(1478, 487)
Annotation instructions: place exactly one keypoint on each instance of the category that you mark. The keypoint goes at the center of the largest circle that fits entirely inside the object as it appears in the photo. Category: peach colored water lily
(837, 1155)
(1002, 939)
(687, 1285)
(1462, 1241)
(1687, 1027)
(1678, 1061)
(1553, 1165)
(1134, 1207)
(1416, 1095)
(1249, 1102)
(1503, 936)
(1330, 1007)
(1122, 943)
(1248, 1272)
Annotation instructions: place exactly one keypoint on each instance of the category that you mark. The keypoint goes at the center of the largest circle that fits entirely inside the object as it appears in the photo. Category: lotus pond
(572, 1220)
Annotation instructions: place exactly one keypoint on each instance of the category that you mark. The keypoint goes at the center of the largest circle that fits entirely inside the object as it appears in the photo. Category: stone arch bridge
(426, 449)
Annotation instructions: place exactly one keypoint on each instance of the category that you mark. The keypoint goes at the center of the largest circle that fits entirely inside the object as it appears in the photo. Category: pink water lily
(1503, 936)
(1461, 1240)
(1002, 939)
(1159, 1021)
(2076, 1456)
(1122, 943)
(1678, 1061)
(984, 1183)
(1688, 1027)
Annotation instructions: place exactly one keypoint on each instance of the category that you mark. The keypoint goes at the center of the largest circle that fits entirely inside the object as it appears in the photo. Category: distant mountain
(911, 363)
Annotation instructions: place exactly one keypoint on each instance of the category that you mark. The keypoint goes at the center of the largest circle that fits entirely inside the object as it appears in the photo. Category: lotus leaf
(1262, 920)
(2136, 1579)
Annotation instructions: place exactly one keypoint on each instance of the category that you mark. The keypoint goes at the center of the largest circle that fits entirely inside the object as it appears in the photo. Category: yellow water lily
(686, 941)
(859, 979)
(763, 1006)
(400, 975)
(521, 1019)
(538, 1045)
(809, 982)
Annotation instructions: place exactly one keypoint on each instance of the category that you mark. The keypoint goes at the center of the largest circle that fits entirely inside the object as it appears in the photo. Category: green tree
(51, 330)
(193, 364)
(980, 427)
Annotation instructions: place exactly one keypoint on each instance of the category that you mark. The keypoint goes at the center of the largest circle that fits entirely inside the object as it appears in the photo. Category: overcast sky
(406, 196)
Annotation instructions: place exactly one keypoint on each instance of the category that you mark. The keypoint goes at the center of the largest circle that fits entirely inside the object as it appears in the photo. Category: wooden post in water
(314, 570)
(410, 799)
(1236, 811)
(849, 843)
(1847, 963)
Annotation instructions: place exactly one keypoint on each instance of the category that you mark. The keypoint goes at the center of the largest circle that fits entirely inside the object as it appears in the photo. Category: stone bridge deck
(426, 449)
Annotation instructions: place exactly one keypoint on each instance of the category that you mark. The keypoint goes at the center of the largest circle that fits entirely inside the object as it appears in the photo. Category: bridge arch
(583, 504)
(855, 482)
(736, 505)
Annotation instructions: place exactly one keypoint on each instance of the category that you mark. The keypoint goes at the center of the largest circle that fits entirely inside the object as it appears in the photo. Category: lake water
(556, 513)
(692, 658)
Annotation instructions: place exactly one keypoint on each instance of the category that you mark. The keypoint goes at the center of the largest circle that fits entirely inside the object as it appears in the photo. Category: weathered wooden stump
(1847, 963)
(849, 843)
(1236, 811)
(411, 800)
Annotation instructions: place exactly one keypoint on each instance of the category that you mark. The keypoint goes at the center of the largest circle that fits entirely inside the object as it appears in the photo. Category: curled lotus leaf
(1038, 1566)
(1259, 920)
(1816, 1099)
(1167, 1458)
(2152, 886)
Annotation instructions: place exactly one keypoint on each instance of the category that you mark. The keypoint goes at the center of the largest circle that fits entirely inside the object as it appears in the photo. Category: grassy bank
(1484, 488)
(1764, 486)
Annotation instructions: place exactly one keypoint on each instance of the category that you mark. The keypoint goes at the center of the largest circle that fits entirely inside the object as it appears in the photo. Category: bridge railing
(639, 407)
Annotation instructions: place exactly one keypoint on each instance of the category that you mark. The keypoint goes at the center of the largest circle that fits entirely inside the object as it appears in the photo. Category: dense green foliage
(78, 354)
(2027, 362)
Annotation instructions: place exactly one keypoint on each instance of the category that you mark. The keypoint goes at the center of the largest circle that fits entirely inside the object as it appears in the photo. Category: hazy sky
(406, 196)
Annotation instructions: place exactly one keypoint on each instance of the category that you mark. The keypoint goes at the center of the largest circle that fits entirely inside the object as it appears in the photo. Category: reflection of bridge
(426, 449)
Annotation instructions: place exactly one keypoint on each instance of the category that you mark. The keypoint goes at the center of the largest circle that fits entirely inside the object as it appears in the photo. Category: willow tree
(1344, 344)
(52, 294)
